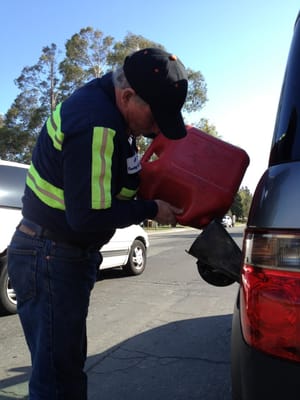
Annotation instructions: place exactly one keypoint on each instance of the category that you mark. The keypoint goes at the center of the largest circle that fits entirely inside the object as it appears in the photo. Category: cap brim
(172, 126)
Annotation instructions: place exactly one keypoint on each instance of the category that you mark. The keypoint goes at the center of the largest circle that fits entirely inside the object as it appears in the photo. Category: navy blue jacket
(85, 158)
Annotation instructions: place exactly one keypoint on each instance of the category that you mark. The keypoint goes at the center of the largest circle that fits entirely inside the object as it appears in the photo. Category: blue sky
(241, 48)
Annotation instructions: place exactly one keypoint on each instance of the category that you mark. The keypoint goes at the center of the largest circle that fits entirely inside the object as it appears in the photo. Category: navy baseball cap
(160, 79)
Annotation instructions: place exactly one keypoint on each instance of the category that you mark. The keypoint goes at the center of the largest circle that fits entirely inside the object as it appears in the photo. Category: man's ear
(126, 95)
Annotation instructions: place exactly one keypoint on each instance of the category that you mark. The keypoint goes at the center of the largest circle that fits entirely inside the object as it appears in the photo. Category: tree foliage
(130, 44)
(88, 54)
(241, 204)
(13, 145)
(246, 198)
(206, 127)
(237, 207)
(37, 98)
(197, 91)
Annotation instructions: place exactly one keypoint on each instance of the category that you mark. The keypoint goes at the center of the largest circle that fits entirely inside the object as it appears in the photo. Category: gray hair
(119, 79)
(120, 82)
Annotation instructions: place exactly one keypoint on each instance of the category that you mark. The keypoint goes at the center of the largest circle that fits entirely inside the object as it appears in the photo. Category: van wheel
(137, 259)
(8, 302)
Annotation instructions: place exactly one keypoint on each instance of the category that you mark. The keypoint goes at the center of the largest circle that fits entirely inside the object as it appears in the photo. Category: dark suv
(266, 320)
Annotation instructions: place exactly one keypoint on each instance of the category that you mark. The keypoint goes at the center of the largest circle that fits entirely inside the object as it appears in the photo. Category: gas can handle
(156, 147)
(148, 153)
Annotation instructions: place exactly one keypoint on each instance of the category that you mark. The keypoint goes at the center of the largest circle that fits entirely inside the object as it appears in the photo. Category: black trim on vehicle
(286, 140)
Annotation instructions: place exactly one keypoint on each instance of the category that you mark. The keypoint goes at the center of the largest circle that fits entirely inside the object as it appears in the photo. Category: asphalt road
(164, 335)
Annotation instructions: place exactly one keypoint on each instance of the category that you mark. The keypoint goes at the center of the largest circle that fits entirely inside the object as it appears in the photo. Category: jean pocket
(21, 267)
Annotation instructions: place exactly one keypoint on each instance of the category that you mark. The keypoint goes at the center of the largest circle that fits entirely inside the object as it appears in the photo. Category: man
(80, 187)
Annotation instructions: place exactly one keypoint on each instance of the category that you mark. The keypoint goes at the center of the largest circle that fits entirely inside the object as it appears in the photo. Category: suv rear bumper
(256, 375)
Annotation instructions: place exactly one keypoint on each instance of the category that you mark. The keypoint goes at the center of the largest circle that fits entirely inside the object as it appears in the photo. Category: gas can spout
(218, 256)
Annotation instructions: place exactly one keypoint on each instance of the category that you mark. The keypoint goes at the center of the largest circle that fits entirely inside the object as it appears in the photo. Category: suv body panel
(275, 205)
(277, 198)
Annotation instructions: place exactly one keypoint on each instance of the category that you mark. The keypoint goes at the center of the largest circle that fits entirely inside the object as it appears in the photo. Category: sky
(240, 47)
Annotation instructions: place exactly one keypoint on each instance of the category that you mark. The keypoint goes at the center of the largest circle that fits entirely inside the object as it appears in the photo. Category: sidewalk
(168, 229)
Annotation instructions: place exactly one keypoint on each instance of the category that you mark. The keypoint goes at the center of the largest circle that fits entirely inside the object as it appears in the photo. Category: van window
(12, 185)
(286, 138)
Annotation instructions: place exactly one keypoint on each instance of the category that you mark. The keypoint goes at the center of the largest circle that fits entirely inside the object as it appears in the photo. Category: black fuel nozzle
(218, 256)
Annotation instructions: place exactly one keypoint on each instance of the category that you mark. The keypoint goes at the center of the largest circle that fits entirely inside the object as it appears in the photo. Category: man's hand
(166, 214)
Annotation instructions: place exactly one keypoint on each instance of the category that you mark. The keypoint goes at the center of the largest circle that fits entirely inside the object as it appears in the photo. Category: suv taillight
(270, 292)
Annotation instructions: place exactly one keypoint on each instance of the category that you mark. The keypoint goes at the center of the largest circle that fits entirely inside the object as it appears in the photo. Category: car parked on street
(126, 249)
(227, 221)
(265, 344)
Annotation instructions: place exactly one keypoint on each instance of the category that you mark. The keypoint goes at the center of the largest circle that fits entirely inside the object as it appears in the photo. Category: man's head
(159, 78)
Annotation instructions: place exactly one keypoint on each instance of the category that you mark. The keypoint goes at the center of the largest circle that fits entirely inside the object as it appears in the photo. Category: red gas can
(199, 174)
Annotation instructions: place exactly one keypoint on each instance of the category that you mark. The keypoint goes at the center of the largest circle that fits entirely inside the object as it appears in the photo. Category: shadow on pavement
(184, 360)
(181, 360)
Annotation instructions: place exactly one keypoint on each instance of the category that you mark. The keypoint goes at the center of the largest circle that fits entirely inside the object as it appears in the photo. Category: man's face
(140, 118)
(138, 115)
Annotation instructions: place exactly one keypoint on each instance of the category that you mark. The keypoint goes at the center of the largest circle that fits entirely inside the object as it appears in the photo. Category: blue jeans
(53, 282)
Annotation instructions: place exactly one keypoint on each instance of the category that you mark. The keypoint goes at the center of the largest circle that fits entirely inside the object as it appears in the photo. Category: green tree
(197, 90)
(241, 204)
(86, 58)
(246, 199)
(37, 98)
(13, 145)
(89, 54)
(237, 207)
(205, 126)
(130, 44)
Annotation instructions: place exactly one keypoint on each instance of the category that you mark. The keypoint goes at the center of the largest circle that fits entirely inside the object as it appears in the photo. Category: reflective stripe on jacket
(83, 167)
